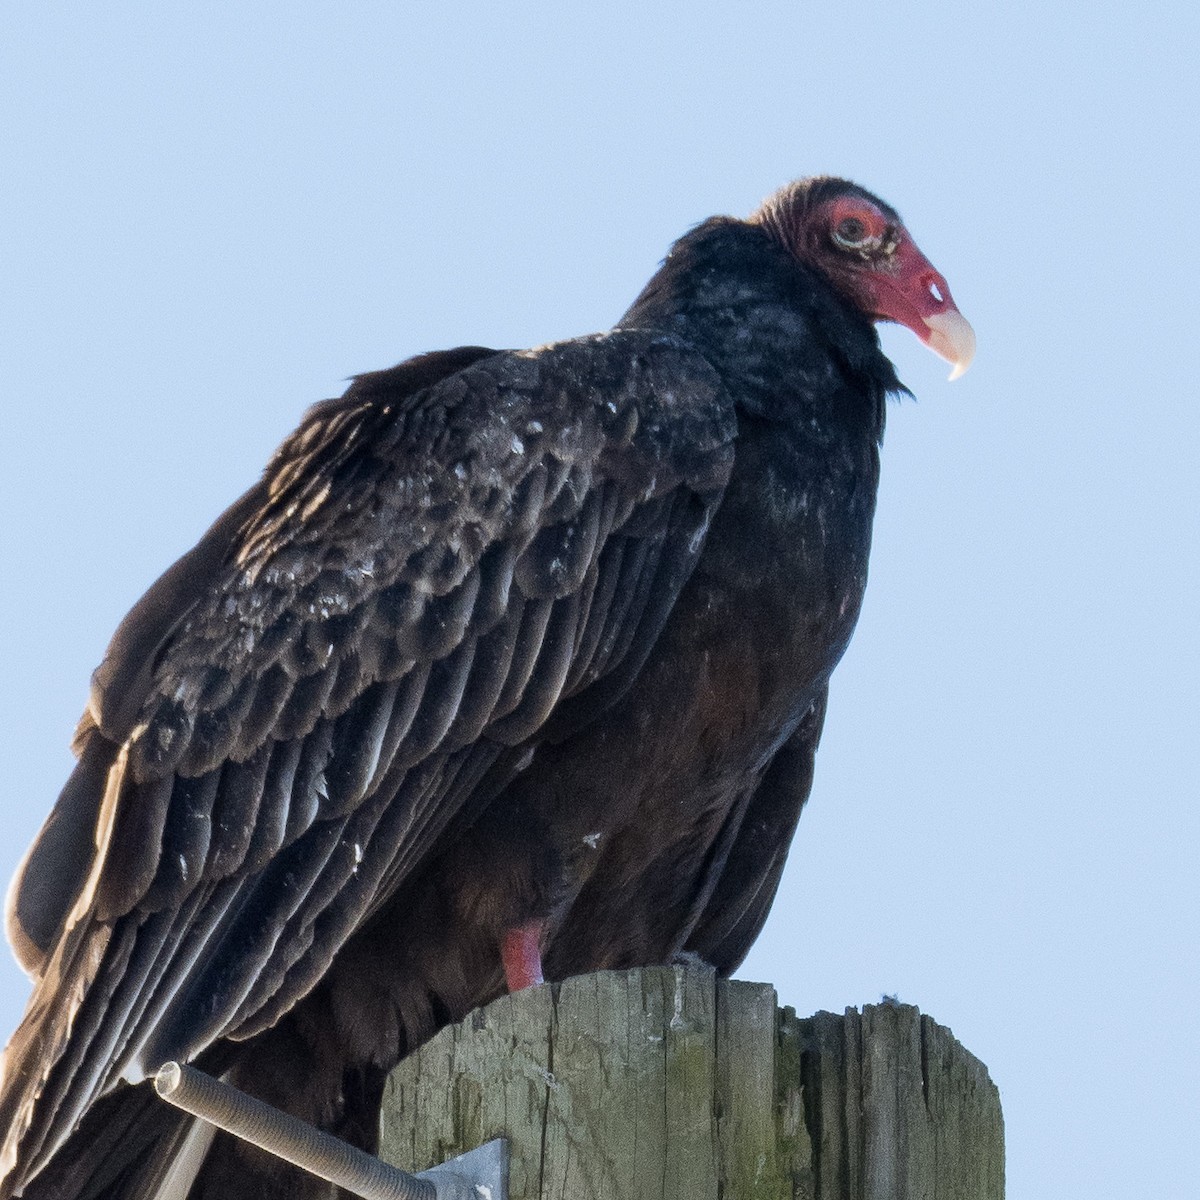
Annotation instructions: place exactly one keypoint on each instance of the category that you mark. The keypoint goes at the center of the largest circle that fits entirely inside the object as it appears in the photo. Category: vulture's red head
(861, 246)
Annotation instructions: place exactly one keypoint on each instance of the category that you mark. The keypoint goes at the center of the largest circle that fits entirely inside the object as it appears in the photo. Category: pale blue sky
(214, 213)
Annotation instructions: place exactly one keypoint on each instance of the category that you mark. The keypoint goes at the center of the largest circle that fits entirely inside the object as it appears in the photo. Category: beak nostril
(936, 292)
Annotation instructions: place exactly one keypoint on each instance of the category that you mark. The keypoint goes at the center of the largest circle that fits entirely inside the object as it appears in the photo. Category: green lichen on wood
(666, 1084)
(747, 1024)
(795, 1145)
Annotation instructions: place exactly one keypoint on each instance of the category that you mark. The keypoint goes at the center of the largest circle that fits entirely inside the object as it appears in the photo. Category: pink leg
(522, 956)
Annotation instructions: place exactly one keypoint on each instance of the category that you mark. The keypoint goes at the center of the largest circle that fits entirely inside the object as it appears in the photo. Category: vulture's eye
(852, 230)
(851, 233)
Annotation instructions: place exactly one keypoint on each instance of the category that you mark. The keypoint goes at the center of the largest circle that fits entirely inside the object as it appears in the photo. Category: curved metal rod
(287, 1137)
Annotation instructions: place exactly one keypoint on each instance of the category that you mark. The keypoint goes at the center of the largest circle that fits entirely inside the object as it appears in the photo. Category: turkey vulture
(512, 662)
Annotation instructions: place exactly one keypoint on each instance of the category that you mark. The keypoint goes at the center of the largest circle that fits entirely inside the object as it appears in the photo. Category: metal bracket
(480, 1174)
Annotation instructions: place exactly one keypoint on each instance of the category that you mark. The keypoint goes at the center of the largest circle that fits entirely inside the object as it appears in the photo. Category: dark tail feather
(123, 1150)
(132, 1145)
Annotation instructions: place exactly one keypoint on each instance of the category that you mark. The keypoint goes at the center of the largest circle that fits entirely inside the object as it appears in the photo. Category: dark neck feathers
(789, 347)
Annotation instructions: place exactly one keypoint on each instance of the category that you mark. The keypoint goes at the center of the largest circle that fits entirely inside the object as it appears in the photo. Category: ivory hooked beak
(951, 336)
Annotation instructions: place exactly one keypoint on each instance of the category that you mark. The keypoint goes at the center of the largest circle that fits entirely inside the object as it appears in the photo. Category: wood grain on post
(666, 1083)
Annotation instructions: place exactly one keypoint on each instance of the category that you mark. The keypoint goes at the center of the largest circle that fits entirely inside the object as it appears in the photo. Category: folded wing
(456, 559)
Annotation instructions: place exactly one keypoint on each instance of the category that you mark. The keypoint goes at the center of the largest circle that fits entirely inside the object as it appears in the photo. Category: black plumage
(532, 640)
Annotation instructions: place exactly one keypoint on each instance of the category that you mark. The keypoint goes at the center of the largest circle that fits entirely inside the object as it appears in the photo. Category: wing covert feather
(426, 576)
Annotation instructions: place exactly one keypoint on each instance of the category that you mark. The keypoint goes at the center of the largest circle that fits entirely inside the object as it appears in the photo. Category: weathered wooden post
(666, 1083)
